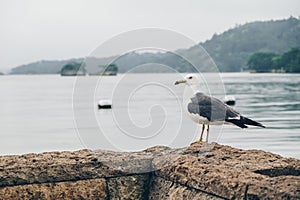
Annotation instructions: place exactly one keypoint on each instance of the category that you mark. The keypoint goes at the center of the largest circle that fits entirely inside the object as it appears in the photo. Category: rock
(129, 187)
(163, 190)
(52, 167)
(85, 189)
(234, 173)
(201, 171)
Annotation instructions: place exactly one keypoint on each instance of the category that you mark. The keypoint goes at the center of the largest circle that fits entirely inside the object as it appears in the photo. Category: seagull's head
(190, 79)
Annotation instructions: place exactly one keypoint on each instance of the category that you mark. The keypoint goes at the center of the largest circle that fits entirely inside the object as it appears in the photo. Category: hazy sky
(33, 30)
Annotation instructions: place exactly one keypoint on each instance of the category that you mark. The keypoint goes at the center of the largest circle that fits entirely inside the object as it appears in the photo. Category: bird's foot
(200, 140)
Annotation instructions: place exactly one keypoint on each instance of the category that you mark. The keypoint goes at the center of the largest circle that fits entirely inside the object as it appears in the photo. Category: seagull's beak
(180, 81)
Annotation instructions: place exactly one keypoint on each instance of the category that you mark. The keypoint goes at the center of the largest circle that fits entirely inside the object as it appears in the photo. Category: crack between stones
(189, 187)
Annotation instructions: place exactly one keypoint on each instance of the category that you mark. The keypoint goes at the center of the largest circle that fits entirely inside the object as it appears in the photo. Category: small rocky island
(73, 69)
(200, 171)
(79, 69)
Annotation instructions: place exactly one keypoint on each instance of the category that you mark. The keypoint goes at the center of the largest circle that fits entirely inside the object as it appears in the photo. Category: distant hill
(43, 67)
(230, 50)
(124, 63)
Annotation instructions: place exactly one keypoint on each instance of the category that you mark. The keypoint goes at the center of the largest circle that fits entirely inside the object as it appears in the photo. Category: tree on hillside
(291, 60)
(261, 62)
(72, 68)
(112, 67)
(266, 62)
(231, 49)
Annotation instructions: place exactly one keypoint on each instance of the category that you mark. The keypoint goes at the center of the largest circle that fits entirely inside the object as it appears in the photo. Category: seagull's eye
(190, 77)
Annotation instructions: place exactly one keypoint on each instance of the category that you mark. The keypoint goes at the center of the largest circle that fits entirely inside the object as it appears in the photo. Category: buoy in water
(229, 100)
(104, 104)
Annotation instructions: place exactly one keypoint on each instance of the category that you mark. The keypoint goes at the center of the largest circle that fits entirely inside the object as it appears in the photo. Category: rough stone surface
(77, 165)
(234, 173)
(201, 171)
(129, 187)
(164, 190)
(85, 189)
(51, 167)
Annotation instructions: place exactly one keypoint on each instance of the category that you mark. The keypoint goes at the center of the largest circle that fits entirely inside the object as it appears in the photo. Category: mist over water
(36, 113)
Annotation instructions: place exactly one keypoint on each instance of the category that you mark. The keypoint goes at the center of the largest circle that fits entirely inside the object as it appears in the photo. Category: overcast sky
(33, 30)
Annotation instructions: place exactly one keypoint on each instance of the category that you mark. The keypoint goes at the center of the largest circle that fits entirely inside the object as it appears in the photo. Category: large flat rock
(200, 171)
(234, 173)
(84, 189)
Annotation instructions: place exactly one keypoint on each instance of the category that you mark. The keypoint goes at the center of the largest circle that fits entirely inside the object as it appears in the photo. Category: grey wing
(211, 108)
(215, 110)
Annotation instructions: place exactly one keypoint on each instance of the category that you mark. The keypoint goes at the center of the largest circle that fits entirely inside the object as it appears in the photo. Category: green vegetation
(111, 69)
(268, 62)
(72, 69)
(1, 73)
(43, 67)
(230, 50)
(261, 62)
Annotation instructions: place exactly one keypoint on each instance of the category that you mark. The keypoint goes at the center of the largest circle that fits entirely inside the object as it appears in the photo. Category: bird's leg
(201, 136)
(207, 133)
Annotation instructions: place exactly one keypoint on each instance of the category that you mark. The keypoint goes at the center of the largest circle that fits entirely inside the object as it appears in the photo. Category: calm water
(37, 113)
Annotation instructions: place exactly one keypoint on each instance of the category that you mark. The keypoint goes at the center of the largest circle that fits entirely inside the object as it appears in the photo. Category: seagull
(207, 110)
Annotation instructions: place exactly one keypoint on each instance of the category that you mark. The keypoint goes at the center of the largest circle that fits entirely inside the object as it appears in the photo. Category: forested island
(73, 69)
(271, 62)
(231, 51)
(79, 69)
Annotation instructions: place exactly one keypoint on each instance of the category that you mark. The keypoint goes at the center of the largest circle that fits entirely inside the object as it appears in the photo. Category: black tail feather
(237, 122)
(243, 121)
(251, 122)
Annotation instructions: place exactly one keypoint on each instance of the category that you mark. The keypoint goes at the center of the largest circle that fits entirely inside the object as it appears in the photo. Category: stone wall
(201, 171)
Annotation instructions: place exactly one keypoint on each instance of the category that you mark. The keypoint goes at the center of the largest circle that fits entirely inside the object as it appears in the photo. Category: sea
(42, 113)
